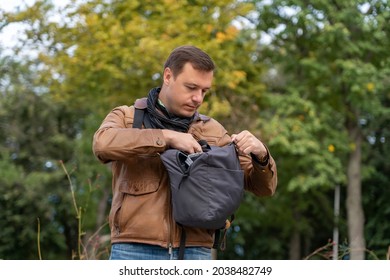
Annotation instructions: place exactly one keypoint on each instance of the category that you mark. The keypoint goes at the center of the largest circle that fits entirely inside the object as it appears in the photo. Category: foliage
(33, 134)
(329, 59)
(103, 54)
(324, 70)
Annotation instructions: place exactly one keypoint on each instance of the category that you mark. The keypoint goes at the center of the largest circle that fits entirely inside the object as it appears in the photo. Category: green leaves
(323, 75)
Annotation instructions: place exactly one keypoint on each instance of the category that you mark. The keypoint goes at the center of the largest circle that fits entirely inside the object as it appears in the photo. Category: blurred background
(310, 78)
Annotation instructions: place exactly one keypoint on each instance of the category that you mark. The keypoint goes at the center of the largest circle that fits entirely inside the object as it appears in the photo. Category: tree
(335, 56)
(34, 133)
(107, 53)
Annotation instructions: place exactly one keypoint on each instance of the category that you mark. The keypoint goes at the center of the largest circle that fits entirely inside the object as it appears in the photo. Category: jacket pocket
(142, 176)
(145, 186)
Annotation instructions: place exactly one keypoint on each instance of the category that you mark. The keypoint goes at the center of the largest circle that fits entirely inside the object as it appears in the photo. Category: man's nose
(198, 96)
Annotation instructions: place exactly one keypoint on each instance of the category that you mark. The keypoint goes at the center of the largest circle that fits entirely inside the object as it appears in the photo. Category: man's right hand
(184, 142)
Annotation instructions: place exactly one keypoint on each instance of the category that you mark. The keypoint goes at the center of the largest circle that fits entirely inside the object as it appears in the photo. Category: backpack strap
(140, 118)
(182, 243)
(217, 235)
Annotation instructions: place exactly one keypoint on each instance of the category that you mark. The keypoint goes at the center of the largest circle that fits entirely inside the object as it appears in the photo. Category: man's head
(188, 75)
(199, 60)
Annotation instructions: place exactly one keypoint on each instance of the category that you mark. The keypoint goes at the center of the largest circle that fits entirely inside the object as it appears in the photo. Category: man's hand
(184, 142)
(247, 143)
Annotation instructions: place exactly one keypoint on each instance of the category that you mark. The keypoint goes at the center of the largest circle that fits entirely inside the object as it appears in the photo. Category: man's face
(183, 95)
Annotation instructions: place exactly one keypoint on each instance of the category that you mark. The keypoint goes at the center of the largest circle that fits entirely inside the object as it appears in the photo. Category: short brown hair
(181, 55)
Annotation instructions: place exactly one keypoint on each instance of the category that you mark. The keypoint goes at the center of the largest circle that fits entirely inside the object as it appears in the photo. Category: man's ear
(167, 75)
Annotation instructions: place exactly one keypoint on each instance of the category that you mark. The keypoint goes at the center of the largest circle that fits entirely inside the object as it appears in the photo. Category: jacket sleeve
(117, 140)
(261, 180)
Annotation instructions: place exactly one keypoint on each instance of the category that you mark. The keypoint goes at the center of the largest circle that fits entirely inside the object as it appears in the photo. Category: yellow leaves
(170, 2)
(240, 75)
(229, 34)
(216, 108)
(221, 37)
(236, 77)
(331, 148)
(116, 31)
(209, 28)
(148, 44)
(92, 20)
(370, 87)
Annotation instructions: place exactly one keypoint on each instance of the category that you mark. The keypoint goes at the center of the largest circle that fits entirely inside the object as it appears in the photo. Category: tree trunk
(295, 239)
(295, 245)
(355, 214)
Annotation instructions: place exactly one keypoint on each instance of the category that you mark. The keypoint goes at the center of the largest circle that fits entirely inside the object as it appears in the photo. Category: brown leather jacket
(141, 207)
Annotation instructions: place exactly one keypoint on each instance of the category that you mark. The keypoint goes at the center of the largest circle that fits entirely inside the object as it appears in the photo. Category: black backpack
(207, 188)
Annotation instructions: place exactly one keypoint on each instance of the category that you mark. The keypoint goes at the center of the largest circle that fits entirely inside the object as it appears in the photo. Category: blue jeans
(135, 251)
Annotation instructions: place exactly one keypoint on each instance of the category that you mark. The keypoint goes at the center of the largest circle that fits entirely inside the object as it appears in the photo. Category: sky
(9, 5)
(10, 33)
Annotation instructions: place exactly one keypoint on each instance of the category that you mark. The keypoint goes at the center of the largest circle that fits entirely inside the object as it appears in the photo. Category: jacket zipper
(170, 232)
(170, 249)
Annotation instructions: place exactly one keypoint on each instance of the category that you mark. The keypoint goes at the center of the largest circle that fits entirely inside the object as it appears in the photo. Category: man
(141, 222)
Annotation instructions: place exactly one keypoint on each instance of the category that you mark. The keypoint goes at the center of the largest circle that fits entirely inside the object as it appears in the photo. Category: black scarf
(161, 118)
